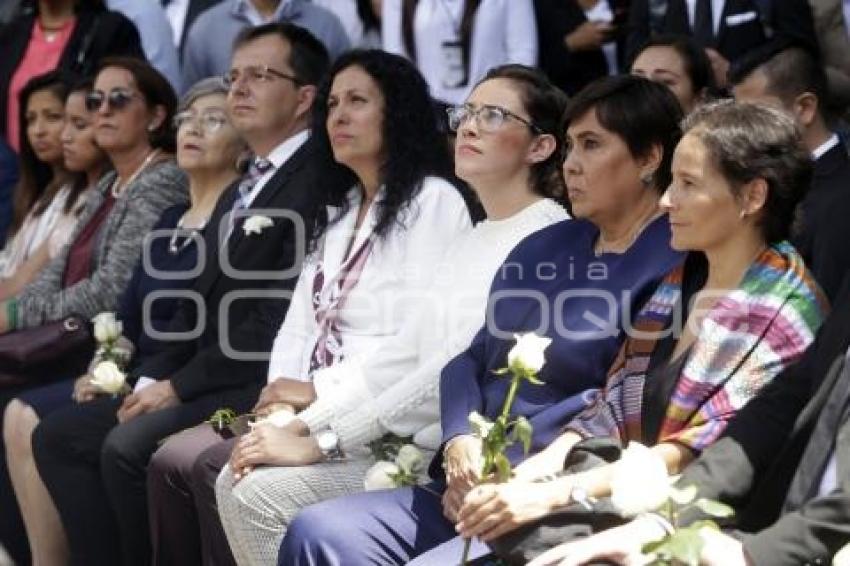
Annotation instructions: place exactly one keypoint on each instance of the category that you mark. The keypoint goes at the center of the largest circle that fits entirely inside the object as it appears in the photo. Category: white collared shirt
(247, 9)
(278, 156)
(176, 12)
(825, 146)
(717, 7)
(505, 31)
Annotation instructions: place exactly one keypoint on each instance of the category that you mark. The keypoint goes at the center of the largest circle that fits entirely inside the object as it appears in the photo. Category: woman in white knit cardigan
(508, 151)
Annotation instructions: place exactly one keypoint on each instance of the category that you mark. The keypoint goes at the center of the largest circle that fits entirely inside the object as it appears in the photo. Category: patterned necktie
(259, 167)
(703, 30)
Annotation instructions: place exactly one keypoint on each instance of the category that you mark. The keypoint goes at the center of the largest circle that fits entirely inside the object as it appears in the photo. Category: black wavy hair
(413, 147)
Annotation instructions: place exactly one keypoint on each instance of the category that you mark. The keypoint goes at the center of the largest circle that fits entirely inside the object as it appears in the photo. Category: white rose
(409, 458)
(256, 224)
(639, 483)
(106, 327)
(280, 418)
(842, 557)
(481, 426)
(528, 351)
(378, 476)
(108, 378)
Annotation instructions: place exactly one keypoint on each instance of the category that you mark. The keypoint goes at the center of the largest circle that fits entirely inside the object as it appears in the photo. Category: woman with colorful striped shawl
(749, 304)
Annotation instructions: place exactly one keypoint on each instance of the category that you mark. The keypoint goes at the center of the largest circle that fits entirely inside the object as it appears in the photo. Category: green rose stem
(519, 373)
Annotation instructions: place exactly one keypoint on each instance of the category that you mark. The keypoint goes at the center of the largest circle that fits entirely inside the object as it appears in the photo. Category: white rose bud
(106, 327)
(528, 351)
(409, 458)
(378, 476)
(108, 378)
(481, 426)
(640, 482)
(842, 557)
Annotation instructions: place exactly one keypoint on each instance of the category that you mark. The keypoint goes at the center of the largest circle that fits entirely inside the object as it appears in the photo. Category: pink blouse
(42, 55)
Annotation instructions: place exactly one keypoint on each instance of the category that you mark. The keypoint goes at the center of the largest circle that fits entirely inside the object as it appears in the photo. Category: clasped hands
(267, 444)
(488, 510)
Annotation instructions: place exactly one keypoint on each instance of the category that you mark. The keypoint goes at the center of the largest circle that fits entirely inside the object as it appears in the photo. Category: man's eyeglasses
(209, 122)
(257, 74)
(489, 118)
(118, 98)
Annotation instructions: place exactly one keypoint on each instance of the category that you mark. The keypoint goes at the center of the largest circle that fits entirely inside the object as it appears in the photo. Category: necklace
(601, 246)
(189, 233)
(116, 191)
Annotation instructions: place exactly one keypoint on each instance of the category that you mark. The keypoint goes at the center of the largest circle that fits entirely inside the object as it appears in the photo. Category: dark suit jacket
(788, 18)
(98, 34)
(200, 366)
(825, 232)
(568, 70)
(752, 466)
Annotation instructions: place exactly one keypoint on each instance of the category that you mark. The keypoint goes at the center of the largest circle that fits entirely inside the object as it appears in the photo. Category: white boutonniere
(256, 224)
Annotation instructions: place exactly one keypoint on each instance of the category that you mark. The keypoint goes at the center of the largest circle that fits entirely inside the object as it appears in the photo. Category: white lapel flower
(256, 224)
(528, 351)
(108, 378)
(640, 482)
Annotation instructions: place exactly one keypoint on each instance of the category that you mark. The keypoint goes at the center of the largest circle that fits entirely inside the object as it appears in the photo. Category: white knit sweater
(396, 387)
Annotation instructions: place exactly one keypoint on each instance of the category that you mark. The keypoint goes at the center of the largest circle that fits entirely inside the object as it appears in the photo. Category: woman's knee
(19, 421)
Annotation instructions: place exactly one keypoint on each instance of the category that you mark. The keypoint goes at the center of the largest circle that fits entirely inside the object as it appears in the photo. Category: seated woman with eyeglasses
(132, 107)
(510, 155)
(576, 282)
(208, 150)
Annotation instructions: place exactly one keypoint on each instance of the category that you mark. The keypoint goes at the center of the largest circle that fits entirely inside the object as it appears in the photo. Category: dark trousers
(95, 470)
(184, 523)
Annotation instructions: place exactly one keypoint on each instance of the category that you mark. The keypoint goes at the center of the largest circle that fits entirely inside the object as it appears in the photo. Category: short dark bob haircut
(749, 141)
(643, 113)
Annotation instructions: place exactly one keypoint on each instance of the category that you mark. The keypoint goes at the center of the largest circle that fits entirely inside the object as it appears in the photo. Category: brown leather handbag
(35, 355)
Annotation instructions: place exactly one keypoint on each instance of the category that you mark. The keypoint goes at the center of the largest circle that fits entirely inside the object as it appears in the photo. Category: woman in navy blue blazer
(577, 282)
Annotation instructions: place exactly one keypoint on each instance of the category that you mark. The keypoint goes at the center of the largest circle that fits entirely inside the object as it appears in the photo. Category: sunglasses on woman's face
(118, 98)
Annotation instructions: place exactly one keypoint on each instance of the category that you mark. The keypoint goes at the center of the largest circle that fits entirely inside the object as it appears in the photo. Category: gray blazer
(117, 249)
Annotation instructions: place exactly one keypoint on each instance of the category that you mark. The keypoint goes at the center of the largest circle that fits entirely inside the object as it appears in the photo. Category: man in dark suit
(93, 457)
(783, 464)
(793, 79)
(727, 29)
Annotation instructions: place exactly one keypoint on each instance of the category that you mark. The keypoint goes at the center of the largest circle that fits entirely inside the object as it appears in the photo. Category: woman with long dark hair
(54, 214)
(576, 283)
(392, 216)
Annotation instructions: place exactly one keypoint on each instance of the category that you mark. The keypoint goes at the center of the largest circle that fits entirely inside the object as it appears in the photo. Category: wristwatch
(328, 442)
